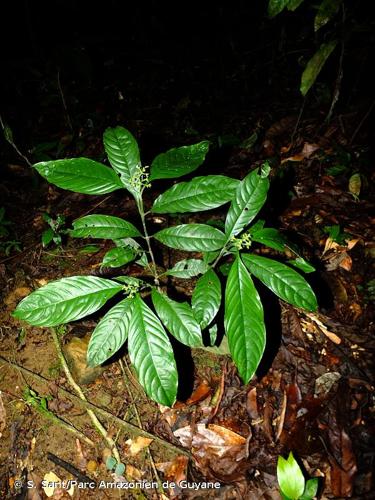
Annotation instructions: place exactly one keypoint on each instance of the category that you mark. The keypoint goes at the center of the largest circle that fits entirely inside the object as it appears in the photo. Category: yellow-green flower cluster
(243, 241)
(140, 179)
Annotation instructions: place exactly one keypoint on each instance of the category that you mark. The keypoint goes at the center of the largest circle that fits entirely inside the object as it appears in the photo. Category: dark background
(180, 68)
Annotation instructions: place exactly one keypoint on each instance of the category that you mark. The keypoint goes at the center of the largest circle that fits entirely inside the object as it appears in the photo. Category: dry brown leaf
(332, 336)
(16, 294)
(50, 479)
(219, 452)
(252, 404)
(342, 474)
(174, 471)
(137, 444)
(346, 262)
(133, 473)
(200, 393)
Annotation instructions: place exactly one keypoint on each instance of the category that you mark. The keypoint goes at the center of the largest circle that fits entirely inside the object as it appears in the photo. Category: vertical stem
(147, 238)
(100, 428)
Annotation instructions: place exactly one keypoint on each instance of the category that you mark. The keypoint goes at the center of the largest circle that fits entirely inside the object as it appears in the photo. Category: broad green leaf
(302, 264)
(206, 298)
(152, 355)
(89, 249)
(248, 200)
(201, 193)
(213, 334)
(179, 161)
(178, 318)
(282, 280)
(271, 238)
(315, 65)
(80, 175)
(66, 300)
(187, 268)
(327, 9)
(102, 226)
(293, 4)
(127, 242)
(244, 321)
(192, 237)
(123, 154)
(256, 227)
(119, 256)
(110, 333)
(209, 257)
(290, 477)
(276, 6)
(311, 489)
(47, 236)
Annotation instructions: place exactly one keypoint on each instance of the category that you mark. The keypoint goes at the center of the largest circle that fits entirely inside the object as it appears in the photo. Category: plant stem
(131, 428)
(98, 425)
(147, 238)
(58, 421)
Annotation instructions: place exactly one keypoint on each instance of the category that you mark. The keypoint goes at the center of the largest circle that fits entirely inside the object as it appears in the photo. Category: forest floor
(313, 393)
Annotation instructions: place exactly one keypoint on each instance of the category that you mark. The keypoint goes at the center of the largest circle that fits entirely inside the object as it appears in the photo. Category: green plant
(334, 232)
(133, 319)
(326, 11)
(55, 231)
(6, 246)
(292, 481)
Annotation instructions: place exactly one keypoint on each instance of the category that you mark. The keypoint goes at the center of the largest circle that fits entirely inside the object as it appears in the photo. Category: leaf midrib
(242, 210)
(70, 300)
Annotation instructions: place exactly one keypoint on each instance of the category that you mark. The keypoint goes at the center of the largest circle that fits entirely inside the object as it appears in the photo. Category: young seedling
(292, 481)
(7, 246)
(145, 312)
(55, 231)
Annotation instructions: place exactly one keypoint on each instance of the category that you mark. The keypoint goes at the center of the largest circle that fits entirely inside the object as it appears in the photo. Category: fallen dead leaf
(137, 444)
(200, 393)
(50, 478)
(332, 336)
(15, 295)
(174, 471)
(219, 452)
(252, 404)
(133, 473)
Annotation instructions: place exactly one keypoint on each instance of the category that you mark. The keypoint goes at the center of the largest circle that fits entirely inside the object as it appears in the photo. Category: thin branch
(362, 122)
(127, 426)
(67, 117)
(10, 140)
(98, 425)
(147, 238)
(340, 73)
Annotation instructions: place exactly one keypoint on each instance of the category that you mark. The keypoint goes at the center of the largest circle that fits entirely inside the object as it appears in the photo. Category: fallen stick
(131, 428)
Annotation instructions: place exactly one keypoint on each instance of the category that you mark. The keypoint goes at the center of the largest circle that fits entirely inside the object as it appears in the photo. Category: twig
(141, 211)
(58, 421)
(111, 444)
(67, 117)
(298, 121)
(70, 468)
(12, 143)
(132, 429)
(362, 122)
(20, 253)
(340, 73)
